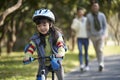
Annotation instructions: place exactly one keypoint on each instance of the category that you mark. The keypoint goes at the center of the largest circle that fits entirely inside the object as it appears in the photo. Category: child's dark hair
(38, 19)
(81, 8)
(54, 33)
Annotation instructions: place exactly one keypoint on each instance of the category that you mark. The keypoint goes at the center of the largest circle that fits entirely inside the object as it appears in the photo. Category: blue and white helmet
(44, 13)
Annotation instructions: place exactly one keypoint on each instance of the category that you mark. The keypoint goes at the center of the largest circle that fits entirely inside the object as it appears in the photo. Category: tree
(18, 22)
(9, 11)
(3, 15)
(114, 23)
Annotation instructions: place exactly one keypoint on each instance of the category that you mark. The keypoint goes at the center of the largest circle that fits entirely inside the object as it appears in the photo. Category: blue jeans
(85, 43)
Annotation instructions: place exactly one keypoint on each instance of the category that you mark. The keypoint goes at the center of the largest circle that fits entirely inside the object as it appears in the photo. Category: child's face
(43, 26)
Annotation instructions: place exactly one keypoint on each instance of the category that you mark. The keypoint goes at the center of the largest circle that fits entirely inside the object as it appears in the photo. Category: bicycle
(46, 58)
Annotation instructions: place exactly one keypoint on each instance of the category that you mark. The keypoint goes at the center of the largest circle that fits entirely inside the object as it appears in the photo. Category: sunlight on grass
(111, 50)
(12, 68)
(70, 61)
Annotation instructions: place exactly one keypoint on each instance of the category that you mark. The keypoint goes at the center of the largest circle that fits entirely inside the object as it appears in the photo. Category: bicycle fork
(43, 75)
(52, 75)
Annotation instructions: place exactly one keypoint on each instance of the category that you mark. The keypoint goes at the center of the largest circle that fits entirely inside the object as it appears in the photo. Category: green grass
(12, 68)
(70, 61)
(111, 50)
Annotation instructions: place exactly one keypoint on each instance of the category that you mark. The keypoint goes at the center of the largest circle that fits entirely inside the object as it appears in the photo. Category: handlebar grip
(54, 56)
(29, 61)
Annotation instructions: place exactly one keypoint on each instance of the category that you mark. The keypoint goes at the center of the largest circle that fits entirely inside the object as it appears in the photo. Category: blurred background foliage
(18, 25)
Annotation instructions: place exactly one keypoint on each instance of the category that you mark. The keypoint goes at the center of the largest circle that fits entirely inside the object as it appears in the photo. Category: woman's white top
(79, 25)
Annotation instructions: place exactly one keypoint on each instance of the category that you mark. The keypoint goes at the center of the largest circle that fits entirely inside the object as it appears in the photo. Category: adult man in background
(96, 27)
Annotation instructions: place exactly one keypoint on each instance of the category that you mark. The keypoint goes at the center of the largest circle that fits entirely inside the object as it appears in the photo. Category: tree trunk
(73, 40)
(9, 47)
(3, 30)
(9, 11)
(11, 36)
(0, 49)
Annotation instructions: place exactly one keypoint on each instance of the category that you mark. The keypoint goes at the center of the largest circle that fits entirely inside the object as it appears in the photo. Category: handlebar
(47, 58)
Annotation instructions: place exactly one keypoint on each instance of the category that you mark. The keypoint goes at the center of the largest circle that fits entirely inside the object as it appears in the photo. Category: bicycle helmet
(43, 13)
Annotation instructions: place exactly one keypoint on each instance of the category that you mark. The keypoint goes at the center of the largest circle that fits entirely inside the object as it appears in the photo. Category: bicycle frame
(47, 58)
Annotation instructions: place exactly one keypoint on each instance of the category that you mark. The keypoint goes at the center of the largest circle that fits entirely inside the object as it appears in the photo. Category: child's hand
(54, 63)
(58, 55)
(27, 56)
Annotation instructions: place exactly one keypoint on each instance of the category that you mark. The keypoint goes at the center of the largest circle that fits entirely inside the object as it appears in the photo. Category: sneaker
(81, 67)
(86, 68)
(101, 68)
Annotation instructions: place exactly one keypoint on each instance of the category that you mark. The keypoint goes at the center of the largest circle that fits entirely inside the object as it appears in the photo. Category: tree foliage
(18, 25)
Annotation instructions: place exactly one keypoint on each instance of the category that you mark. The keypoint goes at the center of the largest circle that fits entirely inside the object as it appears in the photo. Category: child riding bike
(47, 41)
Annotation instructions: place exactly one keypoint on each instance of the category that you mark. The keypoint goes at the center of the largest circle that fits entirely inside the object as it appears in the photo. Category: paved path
(111, 71)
